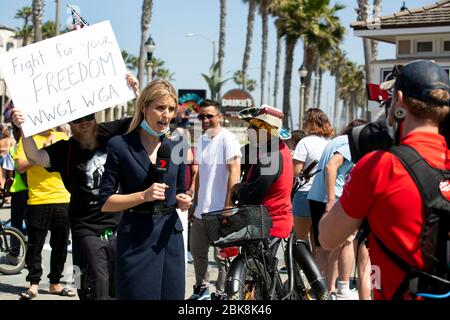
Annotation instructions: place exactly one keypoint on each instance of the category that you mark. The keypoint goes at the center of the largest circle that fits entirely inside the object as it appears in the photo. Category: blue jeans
(300, 205)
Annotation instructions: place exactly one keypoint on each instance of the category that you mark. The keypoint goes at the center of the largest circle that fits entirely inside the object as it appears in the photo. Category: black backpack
(433, 281)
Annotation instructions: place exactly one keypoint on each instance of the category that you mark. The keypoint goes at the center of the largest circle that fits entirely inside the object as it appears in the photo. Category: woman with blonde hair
(150, 250)
(310, 148)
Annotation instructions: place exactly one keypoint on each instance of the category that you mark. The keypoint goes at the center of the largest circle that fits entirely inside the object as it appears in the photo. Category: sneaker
(9, 259)
(332, 296)
(200, 293)
(219, 295)
(283, 270)
(347, 294)
(190, 259)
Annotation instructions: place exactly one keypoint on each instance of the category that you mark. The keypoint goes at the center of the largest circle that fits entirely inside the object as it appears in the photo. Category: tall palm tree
(147, 6)
(264, 12)
(362, 11)
(57, 16)
(290, 23)
(352, 91)
(273, 8)
(38, 8)
(337, 60)
(27, 30)
(322, 32)
(377, 12)
(223, 15)
(249, 40)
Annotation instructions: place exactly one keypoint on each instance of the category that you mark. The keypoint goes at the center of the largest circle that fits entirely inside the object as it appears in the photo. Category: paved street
(12, 285)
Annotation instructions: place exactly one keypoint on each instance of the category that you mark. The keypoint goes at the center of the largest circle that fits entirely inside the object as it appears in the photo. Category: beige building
(419, 33)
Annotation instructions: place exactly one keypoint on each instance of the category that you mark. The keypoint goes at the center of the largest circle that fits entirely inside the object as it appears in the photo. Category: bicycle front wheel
(12, 251)
(254, 282)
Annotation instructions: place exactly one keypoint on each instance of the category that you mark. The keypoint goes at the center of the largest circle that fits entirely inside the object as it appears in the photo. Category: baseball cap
(418, 79)
(269, 115)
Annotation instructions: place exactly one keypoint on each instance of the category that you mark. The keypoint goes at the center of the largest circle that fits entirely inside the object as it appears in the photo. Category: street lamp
(149, 46)
(191, 34)
(303, 73)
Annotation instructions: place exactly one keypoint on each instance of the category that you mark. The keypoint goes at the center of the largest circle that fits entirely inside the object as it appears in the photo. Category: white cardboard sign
(66, 77)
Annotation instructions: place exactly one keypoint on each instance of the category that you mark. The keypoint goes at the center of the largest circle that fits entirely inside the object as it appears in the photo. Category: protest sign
(66, 77)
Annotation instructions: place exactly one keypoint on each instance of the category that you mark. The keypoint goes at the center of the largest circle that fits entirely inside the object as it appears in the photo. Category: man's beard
(86, 139)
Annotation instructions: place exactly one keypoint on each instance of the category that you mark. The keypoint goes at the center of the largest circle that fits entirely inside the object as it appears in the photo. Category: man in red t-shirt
(380, 188)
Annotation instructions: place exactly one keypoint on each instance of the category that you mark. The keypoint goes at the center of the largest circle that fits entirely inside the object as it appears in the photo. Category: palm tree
(289, 22)
(322, 32)
(147, 6)
(249, 39)
(131, 61)
(250, 84)
(337, 60)
(48, 30)
(273, 10)
(57, 16)
(37, 8)
(27, 30)
(223, 15)
(377, 12)
(277, 66)
(352, 91)
(363, 6)
(214, 81)
(264, 12)
(164, 74)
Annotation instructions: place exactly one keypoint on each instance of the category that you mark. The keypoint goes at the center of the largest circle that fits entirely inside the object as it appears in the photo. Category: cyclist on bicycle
(270, 174)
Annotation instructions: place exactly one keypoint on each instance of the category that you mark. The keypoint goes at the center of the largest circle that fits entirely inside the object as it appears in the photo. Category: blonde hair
(152, 91)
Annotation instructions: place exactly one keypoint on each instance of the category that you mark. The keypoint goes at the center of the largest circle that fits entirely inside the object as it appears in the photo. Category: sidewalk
(12, 285)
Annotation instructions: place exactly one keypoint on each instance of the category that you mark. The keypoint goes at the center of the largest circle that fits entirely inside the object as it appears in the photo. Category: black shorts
(317, 211)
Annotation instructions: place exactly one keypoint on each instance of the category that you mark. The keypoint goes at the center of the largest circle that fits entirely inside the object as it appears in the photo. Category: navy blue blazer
(148, 246)
(129, 167)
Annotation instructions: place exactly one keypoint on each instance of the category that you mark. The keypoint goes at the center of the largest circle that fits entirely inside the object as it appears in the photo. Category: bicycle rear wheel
(254, 282)
(12, 251)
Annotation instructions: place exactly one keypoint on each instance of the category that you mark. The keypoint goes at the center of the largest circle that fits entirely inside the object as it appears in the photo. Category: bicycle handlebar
(304, 177)
(306, 173)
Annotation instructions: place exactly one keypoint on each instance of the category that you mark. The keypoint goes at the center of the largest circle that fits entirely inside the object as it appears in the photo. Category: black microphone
(161, 168)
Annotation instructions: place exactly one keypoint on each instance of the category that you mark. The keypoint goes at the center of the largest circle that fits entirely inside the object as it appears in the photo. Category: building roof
(3, 27)
(433, 15)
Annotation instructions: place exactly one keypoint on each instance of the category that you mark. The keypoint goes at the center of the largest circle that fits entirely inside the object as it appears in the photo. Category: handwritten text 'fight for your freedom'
(67, 78)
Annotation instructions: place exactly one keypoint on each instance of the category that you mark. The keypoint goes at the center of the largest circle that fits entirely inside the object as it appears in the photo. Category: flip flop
(27, 295)
(65, 293)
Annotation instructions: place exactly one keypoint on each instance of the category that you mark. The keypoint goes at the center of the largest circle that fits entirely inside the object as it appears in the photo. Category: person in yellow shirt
(48, 202)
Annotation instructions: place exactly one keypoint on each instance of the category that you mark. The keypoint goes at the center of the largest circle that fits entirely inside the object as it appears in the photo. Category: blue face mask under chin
(150, 131)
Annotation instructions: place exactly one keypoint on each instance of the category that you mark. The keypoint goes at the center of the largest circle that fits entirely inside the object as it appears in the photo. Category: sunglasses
(250, 112)
(86, 118)
(203, 116)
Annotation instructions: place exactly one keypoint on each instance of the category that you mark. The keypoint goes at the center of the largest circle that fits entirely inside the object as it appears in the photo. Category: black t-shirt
(81, 171)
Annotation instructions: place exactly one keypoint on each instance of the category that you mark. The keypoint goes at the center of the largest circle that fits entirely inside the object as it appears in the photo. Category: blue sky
(188, 57)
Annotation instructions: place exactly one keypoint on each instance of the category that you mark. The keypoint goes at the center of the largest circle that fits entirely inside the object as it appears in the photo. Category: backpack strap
(426, 178)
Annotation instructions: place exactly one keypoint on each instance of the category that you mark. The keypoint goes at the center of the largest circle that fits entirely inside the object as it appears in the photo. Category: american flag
(77, 20)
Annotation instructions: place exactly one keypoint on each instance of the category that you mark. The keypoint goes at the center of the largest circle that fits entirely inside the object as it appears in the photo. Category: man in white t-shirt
(218, 157)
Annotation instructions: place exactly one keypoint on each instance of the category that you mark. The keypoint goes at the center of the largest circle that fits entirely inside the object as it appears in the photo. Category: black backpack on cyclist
(433, 281)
